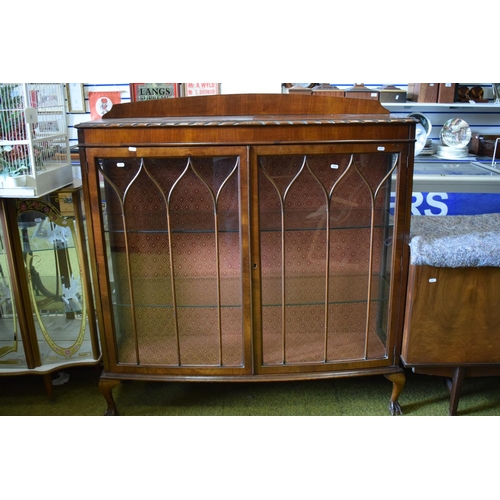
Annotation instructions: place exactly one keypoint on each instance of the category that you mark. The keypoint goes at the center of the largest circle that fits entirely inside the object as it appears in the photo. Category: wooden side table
(452, 317)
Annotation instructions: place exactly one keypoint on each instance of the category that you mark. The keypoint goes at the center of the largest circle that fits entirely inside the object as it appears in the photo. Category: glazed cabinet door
(169, 234)
(326, 241)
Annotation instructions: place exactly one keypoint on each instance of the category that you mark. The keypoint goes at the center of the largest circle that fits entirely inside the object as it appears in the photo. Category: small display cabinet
(249, 238)
(34, 148)
(47, 316)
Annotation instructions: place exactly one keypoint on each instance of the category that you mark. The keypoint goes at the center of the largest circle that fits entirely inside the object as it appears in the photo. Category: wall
(482, 118)
(124, 89)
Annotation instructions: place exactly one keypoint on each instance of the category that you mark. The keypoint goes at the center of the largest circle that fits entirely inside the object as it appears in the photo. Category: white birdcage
(34, 148)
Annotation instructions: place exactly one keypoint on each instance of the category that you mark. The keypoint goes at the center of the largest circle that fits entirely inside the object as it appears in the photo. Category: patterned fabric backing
(303, 195)
(166, 207)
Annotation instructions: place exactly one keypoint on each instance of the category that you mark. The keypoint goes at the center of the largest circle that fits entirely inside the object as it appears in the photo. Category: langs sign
(152, 91)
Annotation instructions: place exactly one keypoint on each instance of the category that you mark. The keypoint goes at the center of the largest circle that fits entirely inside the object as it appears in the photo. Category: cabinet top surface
(245, 110)
(261, 120)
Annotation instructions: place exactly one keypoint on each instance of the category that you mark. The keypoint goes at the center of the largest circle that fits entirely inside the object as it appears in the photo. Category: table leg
(456, 387)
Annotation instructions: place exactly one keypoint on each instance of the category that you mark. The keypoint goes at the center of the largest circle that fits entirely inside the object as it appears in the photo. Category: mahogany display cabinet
(249, 238)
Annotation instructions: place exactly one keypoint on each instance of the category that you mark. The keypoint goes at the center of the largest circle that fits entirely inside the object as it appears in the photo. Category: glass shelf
(316, 221)
(181, 222)
(300, 291)
(193, 222)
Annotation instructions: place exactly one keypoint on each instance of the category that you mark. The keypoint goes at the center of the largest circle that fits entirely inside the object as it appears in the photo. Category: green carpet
(358, 396)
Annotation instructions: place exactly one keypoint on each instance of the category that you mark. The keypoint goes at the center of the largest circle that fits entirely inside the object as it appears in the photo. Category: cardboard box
(64, 201)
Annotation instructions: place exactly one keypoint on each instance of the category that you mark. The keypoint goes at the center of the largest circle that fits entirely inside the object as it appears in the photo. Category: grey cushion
(455, 240)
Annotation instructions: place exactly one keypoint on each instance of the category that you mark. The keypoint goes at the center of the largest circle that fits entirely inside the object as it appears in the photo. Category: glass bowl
(456, 133)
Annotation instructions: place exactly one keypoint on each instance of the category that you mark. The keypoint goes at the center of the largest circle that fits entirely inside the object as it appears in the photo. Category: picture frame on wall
(76, 98)
(192, 89)
(151, 91)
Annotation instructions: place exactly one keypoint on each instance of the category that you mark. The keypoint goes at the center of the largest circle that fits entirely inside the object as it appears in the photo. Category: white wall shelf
(483, 118)
(484, 106)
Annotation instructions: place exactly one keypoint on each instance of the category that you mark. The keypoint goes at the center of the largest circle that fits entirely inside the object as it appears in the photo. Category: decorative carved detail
(238, 122)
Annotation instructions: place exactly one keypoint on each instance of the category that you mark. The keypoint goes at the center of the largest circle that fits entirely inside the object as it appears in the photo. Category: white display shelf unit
(34, 149)
(483, 118)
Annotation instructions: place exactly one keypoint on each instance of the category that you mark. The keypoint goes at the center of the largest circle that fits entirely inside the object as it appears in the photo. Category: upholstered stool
(452, 314)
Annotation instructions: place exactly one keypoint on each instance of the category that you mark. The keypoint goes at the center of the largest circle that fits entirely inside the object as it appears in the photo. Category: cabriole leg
(106, 386)
(398, 381)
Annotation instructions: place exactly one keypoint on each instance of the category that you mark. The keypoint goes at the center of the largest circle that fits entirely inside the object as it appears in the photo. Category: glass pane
(173, 243)
(12, 354)
(55, 282)
(326, 237)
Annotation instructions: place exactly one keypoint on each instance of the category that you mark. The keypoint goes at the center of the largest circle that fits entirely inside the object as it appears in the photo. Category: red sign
(101, 102)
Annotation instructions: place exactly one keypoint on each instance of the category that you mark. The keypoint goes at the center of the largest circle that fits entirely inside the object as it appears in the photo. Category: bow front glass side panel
(172, 238)
(326, 235)
(11, 344)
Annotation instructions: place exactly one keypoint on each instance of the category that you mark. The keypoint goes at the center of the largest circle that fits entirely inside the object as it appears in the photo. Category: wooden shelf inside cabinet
(249, 237)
